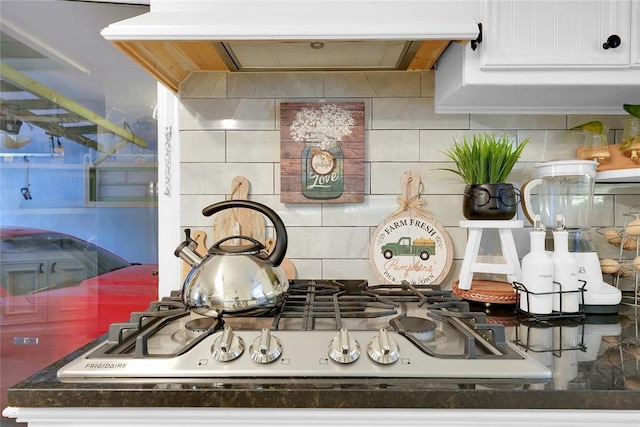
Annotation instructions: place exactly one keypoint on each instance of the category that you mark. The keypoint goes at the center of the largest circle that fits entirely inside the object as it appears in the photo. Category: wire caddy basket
(522, 292)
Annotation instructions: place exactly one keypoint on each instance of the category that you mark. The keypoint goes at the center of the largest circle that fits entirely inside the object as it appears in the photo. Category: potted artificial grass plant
(484, 162)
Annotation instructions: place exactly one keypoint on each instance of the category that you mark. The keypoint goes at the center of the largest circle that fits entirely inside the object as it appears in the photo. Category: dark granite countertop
(584, 377)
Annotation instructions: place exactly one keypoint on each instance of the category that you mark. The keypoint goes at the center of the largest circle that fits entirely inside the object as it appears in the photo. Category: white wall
(229, 126)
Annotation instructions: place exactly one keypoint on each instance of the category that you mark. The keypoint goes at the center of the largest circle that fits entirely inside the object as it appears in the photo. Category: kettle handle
(526, 198)
(279, 251)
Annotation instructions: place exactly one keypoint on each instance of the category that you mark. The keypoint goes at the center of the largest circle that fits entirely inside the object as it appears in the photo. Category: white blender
(565, 188)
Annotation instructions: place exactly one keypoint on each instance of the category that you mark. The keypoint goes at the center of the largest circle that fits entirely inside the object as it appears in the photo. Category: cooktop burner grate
(307, 301)
(311, 300)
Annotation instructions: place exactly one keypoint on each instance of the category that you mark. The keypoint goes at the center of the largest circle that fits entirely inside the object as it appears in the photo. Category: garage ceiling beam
(42, 91)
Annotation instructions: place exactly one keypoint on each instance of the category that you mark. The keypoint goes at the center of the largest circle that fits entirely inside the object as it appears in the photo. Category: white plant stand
(511, 267)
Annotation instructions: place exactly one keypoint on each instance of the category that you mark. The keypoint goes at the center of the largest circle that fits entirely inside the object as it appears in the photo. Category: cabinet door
(70, 298)
(23, 303)
(555, 34)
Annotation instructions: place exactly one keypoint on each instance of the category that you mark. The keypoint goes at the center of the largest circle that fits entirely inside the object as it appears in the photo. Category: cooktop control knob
(343, 348)
(266, 348)
(227, 346)
(382, 348)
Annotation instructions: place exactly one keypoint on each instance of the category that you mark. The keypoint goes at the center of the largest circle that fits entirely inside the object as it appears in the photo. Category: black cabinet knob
(613, 41)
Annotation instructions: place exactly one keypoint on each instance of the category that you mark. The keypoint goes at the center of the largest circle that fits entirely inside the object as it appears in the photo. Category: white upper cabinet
(556, 33)
(545, 56)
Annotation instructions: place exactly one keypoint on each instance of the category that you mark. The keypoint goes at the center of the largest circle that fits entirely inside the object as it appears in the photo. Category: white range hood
(177, 37)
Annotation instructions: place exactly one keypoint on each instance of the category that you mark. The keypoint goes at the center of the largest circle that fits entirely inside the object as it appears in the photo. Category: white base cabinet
(250, 417)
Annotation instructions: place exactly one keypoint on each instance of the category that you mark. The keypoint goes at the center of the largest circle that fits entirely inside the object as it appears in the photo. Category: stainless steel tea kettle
(235, 278)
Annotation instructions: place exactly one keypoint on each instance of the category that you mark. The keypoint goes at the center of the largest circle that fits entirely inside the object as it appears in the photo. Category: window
(78, 155)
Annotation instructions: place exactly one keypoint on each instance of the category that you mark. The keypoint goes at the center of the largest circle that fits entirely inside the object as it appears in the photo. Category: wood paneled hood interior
(178, 37)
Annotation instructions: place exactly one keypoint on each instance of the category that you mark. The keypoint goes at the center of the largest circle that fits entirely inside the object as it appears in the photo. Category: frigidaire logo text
(105, 365)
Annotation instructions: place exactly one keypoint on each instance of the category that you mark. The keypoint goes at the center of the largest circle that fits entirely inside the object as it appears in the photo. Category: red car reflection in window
(57, 293)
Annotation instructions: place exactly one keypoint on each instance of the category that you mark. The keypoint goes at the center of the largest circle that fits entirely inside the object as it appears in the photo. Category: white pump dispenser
(537, 277)
(565, 273)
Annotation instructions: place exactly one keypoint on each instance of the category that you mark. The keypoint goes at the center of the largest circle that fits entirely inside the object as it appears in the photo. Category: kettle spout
(187, 250)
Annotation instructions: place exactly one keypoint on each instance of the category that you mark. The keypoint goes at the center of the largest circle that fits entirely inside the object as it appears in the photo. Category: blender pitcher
(561, 196)
(563, 200)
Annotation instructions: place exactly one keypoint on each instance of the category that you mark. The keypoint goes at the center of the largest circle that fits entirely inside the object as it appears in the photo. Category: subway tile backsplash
(372, 85)
(230, 126)
(413, 113)
(227, 114)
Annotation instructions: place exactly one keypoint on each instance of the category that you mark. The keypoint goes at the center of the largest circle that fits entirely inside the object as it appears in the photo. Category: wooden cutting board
(287, 265)
(201, 238)
(239, 221)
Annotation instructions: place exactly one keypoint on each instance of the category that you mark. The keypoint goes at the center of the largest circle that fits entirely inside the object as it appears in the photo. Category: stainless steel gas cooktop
(323, 329)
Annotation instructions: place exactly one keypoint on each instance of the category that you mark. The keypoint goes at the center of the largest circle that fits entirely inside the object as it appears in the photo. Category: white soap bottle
(537, 277)
(565, 273)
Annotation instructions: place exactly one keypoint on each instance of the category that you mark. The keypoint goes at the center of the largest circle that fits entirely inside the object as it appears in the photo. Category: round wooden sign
(411, 247)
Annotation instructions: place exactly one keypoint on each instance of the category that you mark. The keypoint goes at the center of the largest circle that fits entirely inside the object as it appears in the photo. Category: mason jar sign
(322, 173)
(320, 130)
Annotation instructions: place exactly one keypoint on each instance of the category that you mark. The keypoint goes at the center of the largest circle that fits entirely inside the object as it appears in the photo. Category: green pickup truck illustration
(422, 247)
